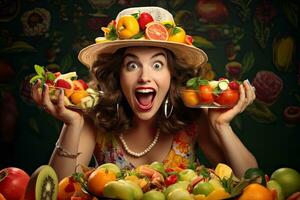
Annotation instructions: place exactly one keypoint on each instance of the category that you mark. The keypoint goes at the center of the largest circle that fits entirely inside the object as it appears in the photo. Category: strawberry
(188, 39)
(83, 83)
(234, 85)
(63, 84)
(144, 19)
(49, 82)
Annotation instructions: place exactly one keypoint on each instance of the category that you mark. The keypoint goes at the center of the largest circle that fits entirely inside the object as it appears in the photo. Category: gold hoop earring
(167, 115)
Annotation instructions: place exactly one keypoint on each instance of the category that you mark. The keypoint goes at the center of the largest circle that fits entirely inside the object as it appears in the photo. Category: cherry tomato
(229, 97)
(205, 94)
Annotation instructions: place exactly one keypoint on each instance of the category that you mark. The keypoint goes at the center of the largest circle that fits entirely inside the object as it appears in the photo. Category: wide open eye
(131, 66)
(157, 65)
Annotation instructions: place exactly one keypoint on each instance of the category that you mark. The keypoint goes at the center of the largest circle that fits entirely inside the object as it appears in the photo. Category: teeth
(145, 90)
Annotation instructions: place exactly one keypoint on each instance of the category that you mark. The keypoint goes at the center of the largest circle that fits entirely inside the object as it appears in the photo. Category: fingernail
(248, 82)
(254, 88)
(61, 91)
(44, 87)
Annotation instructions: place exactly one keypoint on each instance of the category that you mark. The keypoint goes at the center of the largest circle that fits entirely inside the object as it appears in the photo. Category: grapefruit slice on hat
(156, 31)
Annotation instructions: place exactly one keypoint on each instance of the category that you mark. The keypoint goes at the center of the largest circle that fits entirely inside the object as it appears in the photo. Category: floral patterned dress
(181, 154)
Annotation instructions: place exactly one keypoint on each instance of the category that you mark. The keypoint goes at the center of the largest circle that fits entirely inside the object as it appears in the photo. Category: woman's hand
(42, 99)
(220, 117)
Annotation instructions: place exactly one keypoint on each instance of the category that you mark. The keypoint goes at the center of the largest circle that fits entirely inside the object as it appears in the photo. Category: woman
(141, 118)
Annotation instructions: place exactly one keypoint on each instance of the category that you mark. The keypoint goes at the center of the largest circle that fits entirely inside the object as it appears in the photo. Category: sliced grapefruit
(156, 31)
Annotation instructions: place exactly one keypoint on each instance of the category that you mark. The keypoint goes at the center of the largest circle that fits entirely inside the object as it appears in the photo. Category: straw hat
(189, 55)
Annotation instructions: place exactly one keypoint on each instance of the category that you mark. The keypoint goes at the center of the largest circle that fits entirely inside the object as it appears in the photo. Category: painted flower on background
(36, 22)
(268, 86)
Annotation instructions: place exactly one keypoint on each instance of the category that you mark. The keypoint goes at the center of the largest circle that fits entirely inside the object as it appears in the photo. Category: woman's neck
(144, 126)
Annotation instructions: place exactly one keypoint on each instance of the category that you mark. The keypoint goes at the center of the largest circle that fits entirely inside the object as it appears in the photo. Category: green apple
(111, 167)
(158, 166)
(288, 178)
(187, 175)
(153, 195)
(118, 190)
(274, 185)
(137, 191)
(203, 188)
(179, 184)
(179, 194)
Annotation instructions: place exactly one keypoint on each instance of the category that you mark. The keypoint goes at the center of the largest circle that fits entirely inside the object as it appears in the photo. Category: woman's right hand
(58, 110)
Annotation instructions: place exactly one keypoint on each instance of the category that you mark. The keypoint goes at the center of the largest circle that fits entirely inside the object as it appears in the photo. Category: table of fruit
(150, 182)
(153, 181)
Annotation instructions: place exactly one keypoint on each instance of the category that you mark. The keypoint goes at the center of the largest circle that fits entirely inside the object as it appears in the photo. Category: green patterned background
(244, 39)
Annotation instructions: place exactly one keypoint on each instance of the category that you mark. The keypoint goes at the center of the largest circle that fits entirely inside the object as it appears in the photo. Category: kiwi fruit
(43, 184)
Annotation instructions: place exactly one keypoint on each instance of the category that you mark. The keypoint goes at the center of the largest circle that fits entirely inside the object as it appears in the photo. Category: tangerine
(67, 187)
(190, 97)
(156, 31)
(2, 197)
(78, 95)
(255, 191)
(98, 179)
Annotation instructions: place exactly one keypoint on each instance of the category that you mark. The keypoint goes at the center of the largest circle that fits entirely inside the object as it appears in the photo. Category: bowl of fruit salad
(201, 93)
(77, 93)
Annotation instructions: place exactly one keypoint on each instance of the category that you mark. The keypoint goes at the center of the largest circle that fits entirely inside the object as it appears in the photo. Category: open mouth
(144, 97)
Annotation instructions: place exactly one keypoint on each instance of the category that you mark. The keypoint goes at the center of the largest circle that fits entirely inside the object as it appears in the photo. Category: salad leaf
(139, 35)
(39, 70)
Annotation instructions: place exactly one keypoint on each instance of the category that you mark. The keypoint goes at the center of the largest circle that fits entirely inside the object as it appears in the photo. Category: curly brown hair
(106, 73)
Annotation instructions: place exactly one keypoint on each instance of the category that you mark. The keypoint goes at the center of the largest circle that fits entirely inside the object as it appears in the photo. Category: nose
(144, 75)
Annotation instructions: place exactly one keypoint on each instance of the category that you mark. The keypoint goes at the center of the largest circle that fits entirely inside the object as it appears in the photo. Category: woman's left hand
(224, 116)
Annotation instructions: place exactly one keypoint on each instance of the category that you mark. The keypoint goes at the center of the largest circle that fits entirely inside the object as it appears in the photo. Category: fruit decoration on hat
(143, 26)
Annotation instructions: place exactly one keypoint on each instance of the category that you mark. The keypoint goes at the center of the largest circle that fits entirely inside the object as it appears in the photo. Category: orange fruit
(177, 34)
(190, 97)
(67, 187)
(156, 31)
(127, 27)
(78, 95)
(2, 197)
(255, 191)
(98, 179)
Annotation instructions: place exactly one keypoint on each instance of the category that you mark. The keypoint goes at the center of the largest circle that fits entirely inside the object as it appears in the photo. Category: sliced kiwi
(43, 184)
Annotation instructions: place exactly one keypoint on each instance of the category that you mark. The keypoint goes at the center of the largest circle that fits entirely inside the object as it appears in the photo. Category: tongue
(144, 99)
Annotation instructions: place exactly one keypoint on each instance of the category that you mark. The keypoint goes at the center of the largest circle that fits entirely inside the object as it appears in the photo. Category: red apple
(13, 182)
(144, 19)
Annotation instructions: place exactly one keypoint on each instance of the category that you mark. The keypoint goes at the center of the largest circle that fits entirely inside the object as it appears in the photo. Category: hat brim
(189, 55)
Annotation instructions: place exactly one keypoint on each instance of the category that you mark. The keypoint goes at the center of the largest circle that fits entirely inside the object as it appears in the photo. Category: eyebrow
(136, 57)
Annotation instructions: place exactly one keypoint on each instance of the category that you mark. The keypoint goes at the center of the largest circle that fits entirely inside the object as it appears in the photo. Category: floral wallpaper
(244, 39)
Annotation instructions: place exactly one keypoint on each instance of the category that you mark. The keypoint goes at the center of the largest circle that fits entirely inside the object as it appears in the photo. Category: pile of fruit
(220, 93)
(77, 93)
(143, 26)
(150, 182)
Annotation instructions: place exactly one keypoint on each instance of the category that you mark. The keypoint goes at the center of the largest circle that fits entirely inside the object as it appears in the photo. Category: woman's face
(145, 79)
